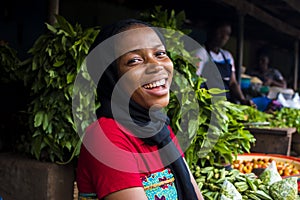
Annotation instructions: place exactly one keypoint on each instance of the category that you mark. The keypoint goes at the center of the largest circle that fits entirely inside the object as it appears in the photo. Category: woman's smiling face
(144, 67)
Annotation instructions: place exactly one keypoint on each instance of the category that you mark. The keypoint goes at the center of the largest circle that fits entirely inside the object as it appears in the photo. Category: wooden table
(272, 140)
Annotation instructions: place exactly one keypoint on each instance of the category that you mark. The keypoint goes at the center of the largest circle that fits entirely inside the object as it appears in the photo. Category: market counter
(272, 140)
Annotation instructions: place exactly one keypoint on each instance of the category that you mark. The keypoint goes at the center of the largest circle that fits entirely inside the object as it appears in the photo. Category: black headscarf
(150, 125)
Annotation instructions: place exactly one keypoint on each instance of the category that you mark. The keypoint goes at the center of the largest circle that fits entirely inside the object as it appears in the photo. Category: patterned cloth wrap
(160, 186)
(157, 186)
(87, 196)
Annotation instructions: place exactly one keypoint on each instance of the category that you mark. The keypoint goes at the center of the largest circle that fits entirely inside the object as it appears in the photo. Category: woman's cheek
(131, 81)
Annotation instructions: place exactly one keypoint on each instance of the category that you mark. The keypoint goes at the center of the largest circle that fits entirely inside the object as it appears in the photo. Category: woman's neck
(213, 48)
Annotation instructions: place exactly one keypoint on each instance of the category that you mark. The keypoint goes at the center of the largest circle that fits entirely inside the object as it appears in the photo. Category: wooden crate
(272, 140)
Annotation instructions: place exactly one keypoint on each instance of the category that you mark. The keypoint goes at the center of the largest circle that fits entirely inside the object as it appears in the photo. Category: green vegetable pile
(216, 182)
(286, 117)
(283, 118)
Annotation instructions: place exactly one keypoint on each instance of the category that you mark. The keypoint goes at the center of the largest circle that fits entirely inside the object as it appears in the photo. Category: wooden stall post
(296, 64)
(240, 45)
(53, 9)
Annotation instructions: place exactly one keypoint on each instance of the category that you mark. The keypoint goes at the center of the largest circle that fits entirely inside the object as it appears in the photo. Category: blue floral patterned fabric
(160, 186)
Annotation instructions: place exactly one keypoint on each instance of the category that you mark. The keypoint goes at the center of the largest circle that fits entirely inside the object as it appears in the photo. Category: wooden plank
(295, 4)
(261, 15)
(272, 140)
(273, 131)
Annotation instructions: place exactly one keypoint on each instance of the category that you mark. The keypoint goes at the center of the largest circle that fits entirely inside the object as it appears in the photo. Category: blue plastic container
(261, 102)
(245, 83)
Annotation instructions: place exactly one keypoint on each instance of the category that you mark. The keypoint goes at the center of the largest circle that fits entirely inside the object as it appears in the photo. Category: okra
(264, 188)
(205, 170)
(221, 180)
(201, 179)
(241, 186)
(261, 194)
(209, 195)
(216, 196)
(240, 178)
(223, 173)
(251, 184)
(252, 196)
(200, 185)
(210, 175)
(214, 187)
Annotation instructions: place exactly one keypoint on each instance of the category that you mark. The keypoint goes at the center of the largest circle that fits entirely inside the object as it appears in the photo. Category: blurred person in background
(269, 75)
(217, 37)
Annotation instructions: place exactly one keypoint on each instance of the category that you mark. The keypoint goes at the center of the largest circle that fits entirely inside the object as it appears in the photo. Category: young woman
(130, 152)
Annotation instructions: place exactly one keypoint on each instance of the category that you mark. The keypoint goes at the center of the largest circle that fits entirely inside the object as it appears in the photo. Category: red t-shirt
(114, 160)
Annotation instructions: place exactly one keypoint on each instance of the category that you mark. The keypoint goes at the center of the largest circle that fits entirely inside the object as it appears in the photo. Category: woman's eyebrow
(154, 47)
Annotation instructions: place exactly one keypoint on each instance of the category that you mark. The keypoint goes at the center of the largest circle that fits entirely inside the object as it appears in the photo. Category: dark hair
(212, 27)
(263, 52)
(119, 26)
(115, 28)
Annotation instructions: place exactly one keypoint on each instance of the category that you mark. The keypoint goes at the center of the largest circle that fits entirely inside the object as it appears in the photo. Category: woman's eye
(161, 53)
(134, 60)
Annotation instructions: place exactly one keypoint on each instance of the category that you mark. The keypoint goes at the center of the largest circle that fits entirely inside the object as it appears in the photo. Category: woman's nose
(154, 65)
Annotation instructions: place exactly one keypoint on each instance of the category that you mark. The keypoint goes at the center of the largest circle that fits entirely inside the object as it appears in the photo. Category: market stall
(272, 140)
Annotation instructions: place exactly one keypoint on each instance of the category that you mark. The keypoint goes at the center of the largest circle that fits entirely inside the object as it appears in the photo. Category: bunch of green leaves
(9, 64)
(221, 136)
(166, 19)
(210, 126)
(57, 57)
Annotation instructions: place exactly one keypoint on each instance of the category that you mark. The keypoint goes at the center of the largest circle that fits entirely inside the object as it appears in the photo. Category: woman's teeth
(155, 84)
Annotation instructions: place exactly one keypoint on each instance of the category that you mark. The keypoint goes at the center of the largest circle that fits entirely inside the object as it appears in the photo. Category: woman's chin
(159, 106)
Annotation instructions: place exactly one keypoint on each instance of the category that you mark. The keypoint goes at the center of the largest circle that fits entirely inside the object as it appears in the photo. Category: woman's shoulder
(103, 124)
(114, 131)
(109, 128)
(226, 53)
(273, 69)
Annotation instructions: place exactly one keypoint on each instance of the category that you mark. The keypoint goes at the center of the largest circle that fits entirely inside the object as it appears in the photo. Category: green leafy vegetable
(57, 57)
(286, 189)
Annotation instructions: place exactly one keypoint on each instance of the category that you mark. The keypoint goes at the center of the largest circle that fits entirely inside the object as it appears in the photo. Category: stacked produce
(247, 166)
(217, 182)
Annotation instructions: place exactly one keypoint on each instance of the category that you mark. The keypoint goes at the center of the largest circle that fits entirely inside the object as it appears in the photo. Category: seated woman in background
(269, 76)
(130, 152)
